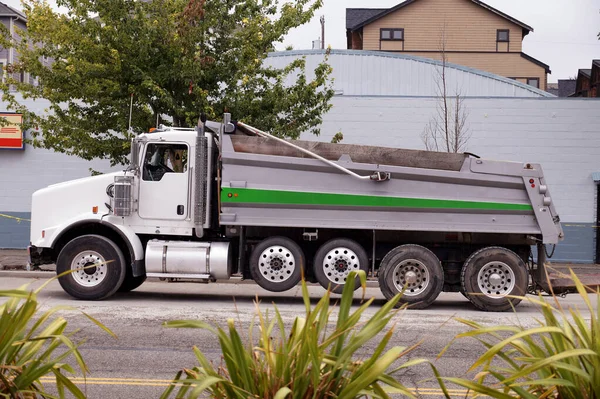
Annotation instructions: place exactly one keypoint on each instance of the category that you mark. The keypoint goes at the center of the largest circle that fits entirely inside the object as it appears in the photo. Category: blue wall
(14, 229)
(579, 245)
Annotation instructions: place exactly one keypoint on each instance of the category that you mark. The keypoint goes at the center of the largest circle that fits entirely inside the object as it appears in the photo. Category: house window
(503, 36)
(392, 34)
(535, 82)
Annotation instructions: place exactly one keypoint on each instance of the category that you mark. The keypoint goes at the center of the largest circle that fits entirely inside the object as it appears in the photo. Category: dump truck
(226, 199)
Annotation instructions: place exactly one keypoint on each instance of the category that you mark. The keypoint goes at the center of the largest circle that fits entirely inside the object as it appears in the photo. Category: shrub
(306, 362)
(558, 359)
(33, 346)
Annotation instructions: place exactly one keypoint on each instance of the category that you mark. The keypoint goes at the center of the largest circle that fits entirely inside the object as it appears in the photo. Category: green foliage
(337, 138)
(33, 346)
(309, 361)
(558, 359)
(177, 58)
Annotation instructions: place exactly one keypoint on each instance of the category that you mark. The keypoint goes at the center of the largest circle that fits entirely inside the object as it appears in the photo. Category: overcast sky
(564, 36)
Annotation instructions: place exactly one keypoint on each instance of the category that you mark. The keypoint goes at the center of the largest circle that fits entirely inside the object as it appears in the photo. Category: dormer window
(503, 36)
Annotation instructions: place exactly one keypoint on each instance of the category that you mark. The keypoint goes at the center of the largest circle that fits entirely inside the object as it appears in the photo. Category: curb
(25, 274)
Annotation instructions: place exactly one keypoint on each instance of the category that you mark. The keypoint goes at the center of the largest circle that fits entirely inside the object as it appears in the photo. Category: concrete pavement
(146, 355)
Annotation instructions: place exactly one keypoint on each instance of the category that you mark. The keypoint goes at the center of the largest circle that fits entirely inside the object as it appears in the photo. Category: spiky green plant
(312, 360)
(35, 345)
(560, 358)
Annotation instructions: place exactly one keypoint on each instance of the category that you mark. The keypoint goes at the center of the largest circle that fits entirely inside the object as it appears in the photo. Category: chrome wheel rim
(338, 263)
(89, 268)
(411, 277)
(496, 280)
(276, 264)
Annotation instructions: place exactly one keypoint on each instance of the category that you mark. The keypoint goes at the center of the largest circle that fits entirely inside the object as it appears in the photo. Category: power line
(575, 43)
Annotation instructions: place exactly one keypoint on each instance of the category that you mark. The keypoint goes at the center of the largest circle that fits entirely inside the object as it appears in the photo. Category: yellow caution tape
(14, 218)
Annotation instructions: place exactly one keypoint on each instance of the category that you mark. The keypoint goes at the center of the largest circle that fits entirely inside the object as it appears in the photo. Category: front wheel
(491, 276)
(415, 272)
(96, 266)
(131, 283)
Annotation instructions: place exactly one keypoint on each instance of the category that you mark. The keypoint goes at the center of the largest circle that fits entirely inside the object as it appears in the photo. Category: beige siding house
(469, 32)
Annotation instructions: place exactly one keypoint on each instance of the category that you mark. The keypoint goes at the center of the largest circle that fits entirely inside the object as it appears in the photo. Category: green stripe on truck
(255, 196)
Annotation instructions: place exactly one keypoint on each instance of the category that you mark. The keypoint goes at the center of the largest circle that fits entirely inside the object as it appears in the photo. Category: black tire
(352, 257)
(424, 284)
(277, 264)
(131, 283)
(503, 264)
(109, 275)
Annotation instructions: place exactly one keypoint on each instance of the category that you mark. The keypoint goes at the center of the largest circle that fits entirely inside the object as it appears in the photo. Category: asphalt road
(146, 355)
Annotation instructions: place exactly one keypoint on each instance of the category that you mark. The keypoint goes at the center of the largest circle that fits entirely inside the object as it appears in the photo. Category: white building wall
(22, 172)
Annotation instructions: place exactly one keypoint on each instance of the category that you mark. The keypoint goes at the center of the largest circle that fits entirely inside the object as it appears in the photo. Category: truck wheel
(490, 275)
(415, 272)
(276, 264)
(131, 283)
(104, 267)
(335, 260)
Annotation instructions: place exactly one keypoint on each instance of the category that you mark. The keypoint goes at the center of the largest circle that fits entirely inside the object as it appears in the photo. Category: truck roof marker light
(95, 209)
(230, 195)
(43, 233)
(235, 195)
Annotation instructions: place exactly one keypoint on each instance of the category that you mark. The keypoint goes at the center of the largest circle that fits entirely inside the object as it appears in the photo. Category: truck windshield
(160, 159)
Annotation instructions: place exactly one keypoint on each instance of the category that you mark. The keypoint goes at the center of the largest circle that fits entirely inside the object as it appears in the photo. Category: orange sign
(11, 135)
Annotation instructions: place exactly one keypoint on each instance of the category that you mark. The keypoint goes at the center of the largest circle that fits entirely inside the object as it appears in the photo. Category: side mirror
(135, 155)
(381, 176)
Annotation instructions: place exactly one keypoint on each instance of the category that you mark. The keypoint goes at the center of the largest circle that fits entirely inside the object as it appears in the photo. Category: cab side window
(160, 159)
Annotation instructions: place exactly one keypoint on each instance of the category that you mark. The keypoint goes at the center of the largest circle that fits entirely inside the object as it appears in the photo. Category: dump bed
(266, 183)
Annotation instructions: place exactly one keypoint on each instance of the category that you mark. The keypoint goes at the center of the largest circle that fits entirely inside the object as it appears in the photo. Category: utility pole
(323, 32)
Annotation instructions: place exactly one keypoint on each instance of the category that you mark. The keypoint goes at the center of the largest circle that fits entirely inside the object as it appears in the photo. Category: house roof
(537, 62)
(7, 11)
(566, 87)
(596, 63)
(586, 72)
(356, 16)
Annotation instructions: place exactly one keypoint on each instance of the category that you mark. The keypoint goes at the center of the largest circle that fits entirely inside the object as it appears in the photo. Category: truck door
(164, 183)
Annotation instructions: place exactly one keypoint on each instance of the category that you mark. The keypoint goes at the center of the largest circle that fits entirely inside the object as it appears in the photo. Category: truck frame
(226, 198)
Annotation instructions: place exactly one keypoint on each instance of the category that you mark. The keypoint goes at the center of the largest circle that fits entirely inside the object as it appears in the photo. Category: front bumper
(39, 256)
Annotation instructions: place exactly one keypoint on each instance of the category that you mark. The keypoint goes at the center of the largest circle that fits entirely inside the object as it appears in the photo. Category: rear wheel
(96, 265)
(491, 275)
(415, 272)
(336, 259)
(276, 264)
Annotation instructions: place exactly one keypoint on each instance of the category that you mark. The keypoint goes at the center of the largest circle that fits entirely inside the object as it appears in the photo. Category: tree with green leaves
(172, 59)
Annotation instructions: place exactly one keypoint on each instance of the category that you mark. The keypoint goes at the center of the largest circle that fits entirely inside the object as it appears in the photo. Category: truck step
(180, 275)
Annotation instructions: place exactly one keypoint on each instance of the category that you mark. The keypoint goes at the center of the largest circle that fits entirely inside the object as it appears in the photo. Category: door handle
(180, 209)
